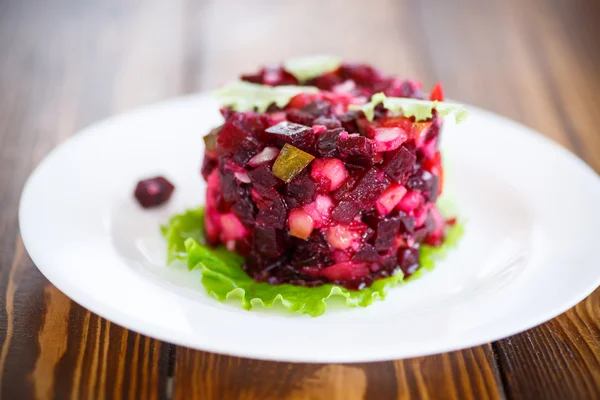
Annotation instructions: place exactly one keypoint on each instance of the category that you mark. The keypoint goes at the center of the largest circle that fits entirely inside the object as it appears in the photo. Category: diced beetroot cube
(229, 185)
(312, 252)
(387, 229)
(268, 241)
(301, 223)
(328, 122)
(246, 150)
(318, 108)
(362, 74)
(301, 190)
(232, 227)
(388, 139)
(362, 196)
(366, 253)
(346, 271)
(426, 183)
(266, 155)
(320, 210)
(232, 134)
(330, 169)
(262, 178)
(434, 166)
(327, 143)
(300, 117)
(153, 192)
(410, 201)
(408, 259)
(245, 210)
(326, 81)
(272, 211)
(356, 150)
(348, 120)
(390, 198)
(209, 163)
(399, 163)
(297, 135)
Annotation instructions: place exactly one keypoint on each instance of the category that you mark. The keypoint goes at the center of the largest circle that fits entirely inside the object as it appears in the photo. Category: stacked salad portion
(322, 180)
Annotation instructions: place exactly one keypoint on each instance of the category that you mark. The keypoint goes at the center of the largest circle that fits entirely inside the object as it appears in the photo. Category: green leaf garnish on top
(422, 110)
(245, 96)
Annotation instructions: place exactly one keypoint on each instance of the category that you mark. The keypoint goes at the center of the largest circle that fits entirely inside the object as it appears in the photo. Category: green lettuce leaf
(246, 96)
(307, 68)
(420, 109)
(224, 278)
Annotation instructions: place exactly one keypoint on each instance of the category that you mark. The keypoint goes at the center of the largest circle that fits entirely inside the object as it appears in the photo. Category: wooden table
(67, 63)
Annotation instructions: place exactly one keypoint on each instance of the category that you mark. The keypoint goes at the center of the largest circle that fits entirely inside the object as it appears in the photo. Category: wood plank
(468, 374)
(561, 359)
(63, 65)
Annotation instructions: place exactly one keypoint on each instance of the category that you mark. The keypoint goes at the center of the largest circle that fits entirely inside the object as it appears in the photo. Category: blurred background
(73, 61)
(65, 64)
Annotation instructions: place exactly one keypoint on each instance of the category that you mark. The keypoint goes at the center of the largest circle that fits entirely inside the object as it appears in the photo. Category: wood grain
(65, 64)
(468, 374)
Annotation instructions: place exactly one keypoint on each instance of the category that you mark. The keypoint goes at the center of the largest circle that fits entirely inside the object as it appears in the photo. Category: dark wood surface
(67, 63)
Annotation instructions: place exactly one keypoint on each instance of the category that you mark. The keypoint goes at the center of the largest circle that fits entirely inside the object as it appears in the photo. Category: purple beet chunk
(366, 253)
(348, 120)
(245, 210)
(153, 192)
(328, 122)
(272, 211)
(420, 234)
(425, 183)
(388, 261)
(399, 163)
(362, 74)
(208, 165)
(361, 197)
(300, 117)
(407, 223)
(387, 229)
(312, 252)
(268, 241)
(297, 135)
(346, 187)
(356, 150)
(327, 143)
(318, 108)
(302, 189)
(233, 133)
(229, 185)
(408, 259)
(262, 178)
(246, 150)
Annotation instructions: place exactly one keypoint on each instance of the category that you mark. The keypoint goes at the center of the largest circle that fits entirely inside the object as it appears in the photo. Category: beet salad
(326, 172)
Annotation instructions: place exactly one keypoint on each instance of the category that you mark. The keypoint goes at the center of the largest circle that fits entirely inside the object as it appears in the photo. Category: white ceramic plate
(529, 252)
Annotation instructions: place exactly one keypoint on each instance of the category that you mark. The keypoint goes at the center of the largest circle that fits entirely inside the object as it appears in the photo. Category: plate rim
(98, 308)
